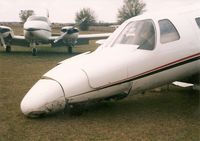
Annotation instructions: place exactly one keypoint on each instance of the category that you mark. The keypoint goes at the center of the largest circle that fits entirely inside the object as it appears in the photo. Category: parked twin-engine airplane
(145, 52)
(37, 30)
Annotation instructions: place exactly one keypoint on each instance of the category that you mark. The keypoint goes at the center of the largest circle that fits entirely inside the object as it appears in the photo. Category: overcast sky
(64, 10)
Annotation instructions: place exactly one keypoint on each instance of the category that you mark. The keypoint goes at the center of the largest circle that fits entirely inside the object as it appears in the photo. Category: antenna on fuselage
(47, 13)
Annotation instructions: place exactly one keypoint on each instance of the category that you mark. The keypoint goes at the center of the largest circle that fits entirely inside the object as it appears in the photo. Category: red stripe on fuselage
(152, 70)
(141, 75)
(169, 64)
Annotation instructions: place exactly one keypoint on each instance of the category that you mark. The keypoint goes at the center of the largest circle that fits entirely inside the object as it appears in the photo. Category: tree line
(87, 17)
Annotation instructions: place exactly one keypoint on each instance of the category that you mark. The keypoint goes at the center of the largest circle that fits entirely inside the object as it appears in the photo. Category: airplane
(145, 52)
(37, 30)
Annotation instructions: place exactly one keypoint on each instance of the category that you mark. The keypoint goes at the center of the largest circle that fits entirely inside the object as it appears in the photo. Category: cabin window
(168, 32)
(138, 33)
(198, 21)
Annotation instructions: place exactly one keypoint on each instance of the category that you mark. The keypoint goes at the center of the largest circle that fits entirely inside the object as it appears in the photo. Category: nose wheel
(70, 49)
(8, 49)
(76, 110)
(34, 51)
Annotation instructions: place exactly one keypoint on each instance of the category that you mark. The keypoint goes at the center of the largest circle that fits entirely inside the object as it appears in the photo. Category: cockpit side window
(198, 21)
(168, 32)
(139, 33)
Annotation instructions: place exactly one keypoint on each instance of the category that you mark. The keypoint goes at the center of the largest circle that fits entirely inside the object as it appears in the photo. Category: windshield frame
(129, 24)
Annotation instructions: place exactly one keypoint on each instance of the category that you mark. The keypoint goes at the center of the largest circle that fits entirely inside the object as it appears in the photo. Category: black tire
(8, 49)
(70, 50)
(76, 110)
(34, 51)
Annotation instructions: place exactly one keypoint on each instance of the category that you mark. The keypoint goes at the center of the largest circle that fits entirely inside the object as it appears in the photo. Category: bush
(85, 18)
(130, 9)
(24, 14)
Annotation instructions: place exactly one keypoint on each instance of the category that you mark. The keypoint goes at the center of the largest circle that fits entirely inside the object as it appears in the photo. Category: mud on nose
(45, 97)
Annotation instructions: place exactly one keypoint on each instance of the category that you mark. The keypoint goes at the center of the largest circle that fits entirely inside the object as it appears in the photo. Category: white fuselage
(122, 64)
(37, 29)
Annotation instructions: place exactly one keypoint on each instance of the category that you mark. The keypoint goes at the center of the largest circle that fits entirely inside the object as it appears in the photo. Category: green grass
(156, 116)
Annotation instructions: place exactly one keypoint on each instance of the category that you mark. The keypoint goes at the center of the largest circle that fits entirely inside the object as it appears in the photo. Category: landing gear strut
(8, 49)
(70, 49)
(34, 50)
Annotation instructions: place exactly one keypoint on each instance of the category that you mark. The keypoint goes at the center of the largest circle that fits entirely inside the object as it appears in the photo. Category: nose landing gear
(8, 49)
(34, 51)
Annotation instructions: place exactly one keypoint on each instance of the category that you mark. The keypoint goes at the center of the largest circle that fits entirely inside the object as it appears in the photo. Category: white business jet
(37, 30)
(145, 52)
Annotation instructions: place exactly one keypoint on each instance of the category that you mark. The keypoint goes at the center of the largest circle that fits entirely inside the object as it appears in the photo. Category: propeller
(3, 29)
(60, 37)
(2, 40)
(69, 31)
(1, 37)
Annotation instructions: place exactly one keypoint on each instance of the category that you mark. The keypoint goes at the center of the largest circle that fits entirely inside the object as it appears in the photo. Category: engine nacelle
(6, 32)
(70, 34)
(68, 37)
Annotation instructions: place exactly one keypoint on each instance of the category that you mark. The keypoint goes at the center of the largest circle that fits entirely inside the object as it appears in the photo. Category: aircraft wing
(85, 38)
(19, 41)
(94, 36)
(81, 40)
(69, 38)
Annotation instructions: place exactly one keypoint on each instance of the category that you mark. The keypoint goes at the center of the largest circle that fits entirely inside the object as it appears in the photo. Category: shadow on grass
(40, 53)
(167, 104)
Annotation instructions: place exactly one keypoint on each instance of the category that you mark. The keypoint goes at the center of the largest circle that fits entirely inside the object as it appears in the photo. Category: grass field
(156, 116)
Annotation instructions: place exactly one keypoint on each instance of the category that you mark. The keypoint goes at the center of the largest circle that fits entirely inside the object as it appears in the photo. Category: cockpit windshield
(37, 18)
(140, 33)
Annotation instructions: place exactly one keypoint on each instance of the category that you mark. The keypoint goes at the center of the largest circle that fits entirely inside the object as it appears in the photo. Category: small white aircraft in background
(145, 52)
(37, 30)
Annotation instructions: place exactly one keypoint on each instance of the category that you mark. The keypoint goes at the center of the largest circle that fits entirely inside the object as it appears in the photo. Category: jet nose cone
(45, 97)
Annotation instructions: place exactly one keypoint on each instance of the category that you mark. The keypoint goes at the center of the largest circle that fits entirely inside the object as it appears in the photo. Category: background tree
(130, 9)
(85, 18)
(24, 14)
